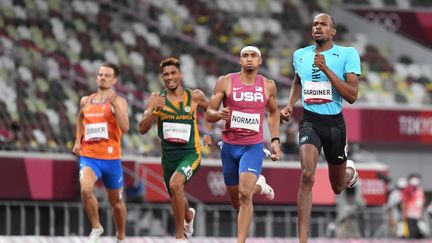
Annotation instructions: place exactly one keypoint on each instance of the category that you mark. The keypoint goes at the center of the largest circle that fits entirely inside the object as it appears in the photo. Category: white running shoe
(121, 241)
(180, 241)
(266, 189)
(354, 179)
(95, 235)
(188, 226)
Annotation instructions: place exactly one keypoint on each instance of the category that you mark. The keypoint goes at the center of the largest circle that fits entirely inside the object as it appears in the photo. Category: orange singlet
(101, 133)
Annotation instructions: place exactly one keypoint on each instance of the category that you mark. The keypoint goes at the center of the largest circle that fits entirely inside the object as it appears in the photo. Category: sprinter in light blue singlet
(341, 60)
(325, 73)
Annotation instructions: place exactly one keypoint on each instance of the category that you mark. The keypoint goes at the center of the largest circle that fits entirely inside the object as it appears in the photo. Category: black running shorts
(326, 131)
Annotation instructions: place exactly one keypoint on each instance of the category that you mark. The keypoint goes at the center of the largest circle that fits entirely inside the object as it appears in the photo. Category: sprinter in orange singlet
(102, 119)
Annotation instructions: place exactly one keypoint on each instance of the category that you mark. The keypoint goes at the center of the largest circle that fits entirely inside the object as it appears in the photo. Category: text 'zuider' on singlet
(101, 133)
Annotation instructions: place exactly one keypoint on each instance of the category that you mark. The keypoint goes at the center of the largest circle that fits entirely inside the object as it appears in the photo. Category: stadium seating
(51, 49)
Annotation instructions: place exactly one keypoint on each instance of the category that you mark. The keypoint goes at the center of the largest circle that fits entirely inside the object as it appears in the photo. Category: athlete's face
(105, 78)
(322, 29)
(172, 77)
(250, 61)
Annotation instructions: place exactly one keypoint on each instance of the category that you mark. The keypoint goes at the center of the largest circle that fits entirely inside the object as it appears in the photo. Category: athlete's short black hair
(168, 62)
(333, 21)
(113, 66)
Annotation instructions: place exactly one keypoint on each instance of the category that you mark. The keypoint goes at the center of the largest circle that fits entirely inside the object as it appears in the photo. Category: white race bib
(317, 92)
(248, 121)
(96, 131)
(176, 132)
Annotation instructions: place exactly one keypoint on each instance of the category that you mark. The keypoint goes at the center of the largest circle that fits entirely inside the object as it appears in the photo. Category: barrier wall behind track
(40, 176)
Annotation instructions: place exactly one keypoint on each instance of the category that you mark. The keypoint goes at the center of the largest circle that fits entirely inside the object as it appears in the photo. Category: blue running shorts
(110, 170)
(237, 159)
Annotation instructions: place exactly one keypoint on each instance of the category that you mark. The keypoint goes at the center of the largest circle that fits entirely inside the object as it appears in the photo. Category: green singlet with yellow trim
(178, 131)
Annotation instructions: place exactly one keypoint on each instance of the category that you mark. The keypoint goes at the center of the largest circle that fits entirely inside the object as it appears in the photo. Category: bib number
(96, 131)
(176, 132)
(317, 92)
(246, 121)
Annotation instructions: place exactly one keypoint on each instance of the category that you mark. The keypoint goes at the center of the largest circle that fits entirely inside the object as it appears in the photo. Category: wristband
(274, 139)
(155, 111)
(206, 133)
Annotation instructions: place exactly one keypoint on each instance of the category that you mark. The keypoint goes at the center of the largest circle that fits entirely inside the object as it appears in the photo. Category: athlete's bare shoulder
(198, 94)
(269, 82)
(223, 84)
(200, 98)
(122, 99)
(269, 86)
(224, 79)
(83, 101)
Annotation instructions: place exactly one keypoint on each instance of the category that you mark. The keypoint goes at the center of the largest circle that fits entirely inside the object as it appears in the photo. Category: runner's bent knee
(307, 178)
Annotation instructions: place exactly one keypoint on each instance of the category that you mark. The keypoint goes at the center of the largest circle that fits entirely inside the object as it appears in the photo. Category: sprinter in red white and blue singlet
(245, 96)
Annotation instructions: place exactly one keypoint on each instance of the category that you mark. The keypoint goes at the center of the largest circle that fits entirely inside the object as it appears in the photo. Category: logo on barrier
(216, 184)
(372, 186)
(391, 21)
(415, 125)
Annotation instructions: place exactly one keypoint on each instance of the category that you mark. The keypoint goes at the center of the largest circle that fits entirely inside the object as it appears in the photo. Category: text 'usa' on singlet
(177, 126)
(247, 106)
(101, 133)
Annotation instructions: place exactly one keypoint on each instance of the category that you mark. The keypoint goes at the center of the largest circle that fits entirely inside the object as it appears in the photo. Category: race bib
(248, 121)
(96, 131)
(176, 132)
(317, 92)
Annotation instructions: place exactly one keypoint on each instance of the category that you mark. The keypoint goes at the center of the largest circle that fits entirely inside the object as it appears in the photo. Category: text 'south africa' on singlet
(247, 106)
(101, 133)
(176, 123)
(318, 94)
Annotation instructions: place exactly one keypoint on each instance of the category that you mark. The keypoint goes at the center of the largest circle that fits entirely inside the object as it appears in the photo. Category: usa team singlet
(247, 105)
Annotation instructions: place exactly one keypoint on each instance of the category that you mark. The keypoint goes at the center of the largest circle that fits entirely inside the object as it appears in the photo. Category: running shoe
(266, 189)
(354, 179)
(95, 235)
(188, 226)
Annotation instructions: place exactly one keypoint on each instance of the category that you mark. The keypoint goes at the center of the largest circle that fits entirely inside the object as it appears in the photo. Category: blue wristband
(206, 133)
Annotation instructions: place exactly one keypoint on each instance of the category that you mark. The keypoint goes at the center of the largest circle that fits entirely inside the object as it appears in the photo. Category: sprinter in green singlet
(175, 111)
